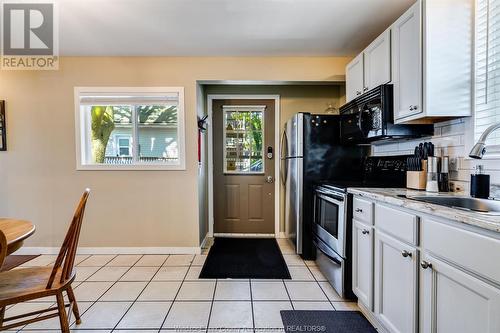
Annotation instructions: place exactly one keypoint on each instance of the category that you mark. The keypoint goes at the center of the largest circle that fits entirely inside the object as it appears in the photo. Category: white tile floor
(153, 293)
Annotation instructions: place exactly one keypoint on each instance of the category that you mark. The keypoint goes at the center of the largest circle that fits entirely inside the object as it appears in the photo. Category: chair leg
(76, 312)
(63, 317)
(2, 315)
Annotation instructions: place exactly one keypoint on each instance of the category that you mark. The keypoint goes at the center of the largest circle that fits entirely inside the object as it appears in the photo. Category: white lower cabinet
(419, 273)
(455, 301)
(396, 280)
(362, 263)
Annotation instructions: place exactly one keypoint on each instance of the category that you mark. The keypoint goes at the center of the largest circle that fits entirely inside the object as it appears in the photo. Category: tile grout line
(251, 304)
(115, 282)
(54, 303)
(176, 294)
(139, 295)
(211, 306)
(320, 287)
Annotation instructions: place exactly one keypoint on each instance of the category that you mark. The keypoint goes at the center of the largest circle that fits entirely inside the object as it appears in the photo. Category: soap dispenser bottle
(480, 184)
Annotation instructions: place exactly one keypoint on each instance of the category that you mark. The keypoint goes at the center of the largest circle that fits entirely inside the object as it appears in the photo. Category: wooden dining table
(16, 231)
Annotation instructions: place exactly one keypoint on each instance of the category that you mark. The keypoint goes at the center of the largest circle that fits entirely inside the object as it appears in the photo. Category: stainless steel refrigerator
(311, 153)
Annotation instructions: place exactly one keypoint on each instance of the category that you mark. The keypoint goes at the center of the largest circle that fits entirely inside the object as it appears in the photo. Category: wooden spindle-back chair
(26, 284)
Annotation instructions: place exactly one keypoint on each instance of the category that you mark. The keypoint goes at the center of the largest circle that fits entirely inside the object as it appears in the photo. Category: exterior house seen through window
(130, 128)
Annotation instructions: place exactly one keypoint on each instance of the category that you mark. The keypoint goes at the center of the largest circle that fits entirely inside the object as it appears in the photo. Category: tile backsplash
(450, 139)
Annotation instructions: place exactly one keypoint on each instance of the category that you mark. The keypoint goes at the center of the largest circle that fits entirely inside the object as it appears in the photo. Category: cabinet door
(395, 284)
(362, 263)
(378, 61)
(354, 78)
(407, 64)
(454, 301)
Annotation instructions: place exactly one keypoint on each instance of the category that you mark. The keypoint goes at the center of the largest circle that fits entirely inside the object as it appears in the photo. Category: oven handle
(330, 197)
(326, 251)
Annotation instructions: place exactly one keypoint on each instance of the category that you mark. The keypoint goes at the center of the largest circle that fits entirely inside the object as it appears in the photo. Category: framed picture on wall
(3, 134)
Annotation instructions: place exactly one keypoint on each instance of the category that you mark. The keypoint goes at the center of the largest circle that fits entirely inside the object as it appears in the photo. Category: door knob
(270, 179)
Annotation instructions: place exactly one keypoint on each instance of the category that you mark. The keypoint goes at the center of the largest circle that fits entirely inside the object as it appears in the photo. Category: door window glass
(243, 139)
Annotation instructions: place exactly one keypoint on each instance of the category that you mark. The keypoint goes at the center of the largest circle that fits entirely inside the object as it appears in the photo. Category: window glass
(157, 133)
(243, 141)
(128, 127)
(108, 123)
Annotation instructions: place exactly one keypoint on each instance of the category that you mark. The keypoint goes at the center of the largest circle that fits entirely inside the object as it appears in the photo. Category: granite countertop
(394, 197)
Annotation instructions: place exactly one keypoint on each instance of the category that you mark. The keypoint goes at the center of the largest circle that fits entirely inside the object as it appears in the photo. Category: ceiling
(222, 27)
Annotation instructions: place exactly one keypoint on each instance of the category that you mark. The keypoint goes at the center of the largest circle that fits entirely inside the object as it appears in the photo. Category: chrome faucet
(479, 148)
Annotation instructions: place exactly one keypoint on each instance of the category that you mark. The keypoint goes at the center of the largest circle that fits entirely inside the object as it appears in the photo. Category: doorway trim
(277, 119)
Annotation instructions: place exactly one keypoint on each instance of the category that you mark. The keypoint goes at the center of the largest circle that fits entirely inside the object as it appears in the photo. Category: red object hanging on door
(199, 146)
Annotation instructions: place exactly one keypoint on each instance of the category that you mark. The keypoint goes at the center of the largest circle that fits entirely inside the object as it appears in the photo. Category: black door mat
(245, 258)
(326, 322)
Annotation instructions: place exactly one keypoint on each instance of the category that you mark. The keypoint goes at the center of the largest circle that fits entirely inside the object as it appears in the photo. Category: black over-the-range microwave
(370, 117)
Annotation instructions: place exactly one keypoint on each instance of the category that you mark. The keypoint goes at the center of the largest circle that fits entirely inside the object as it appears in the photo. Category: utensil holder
(416, 180)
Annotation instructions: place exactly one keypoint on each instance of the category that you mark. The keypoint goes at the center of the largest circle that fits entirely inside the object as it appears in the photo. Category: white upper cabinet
(427, 54)
(378, 61)
(406, 64)
(370, 68)
(454, 301)
(354, 78)
(432, 61)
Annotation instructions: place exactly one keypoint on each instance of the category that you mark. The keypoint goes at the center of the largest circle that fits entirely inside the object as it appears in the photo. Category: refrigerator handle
(284, 164)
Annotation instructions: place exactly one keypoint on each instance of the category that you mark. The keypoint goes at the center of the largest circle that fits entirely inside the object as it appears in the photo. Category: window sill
(90, 167)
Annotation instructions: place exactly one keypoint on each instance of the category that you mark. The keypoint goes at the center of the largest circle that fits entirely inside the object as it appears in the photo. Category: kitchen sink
(473, 204)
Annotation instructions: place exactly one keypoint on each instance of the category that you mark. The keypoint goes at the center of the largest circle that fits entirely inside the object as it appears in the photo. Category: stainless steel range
(332, 221)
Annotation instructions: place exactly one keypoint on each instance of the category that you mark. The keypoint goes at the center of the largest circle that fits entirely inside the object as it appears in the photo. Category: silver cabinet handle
(425, 264)
(359, 210)
(365, 89)
(411, 108)
(358, 92)
(415, 107)
(406, 254)
(365, 232)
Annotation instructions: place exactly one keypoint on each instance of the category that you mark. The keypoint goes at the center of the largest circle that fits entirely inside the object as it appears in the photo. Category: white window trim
(81, 133)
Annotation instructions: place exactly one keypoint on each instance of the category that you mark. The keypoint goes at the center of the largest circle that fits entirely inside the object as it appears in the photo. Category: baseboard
(240, 235)
(114, 250)
(204, 242)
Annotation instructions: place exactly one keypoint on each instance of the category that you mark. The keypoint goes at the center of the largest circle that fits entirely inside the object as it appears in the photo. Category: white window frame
(81, 132)
(493, 151)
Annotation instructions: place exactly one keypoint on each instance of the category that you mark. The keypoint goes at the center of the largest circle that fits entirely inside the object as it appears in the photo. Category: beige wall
(38, 180)
(293, 99)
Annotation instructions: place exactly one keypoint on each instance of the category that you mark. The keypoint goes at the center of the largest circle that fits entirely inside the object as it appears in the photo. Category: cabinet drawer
(362, 210)
(474, 252)
(399, 224)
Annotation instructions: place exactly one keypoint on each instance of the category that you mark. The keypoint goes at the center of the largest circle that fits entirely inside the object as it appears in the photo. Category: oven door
(329, 219)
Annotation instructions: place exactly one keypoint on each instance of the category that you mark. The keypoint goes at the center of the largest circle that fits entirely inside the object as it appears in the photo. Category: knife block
(417, 180)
